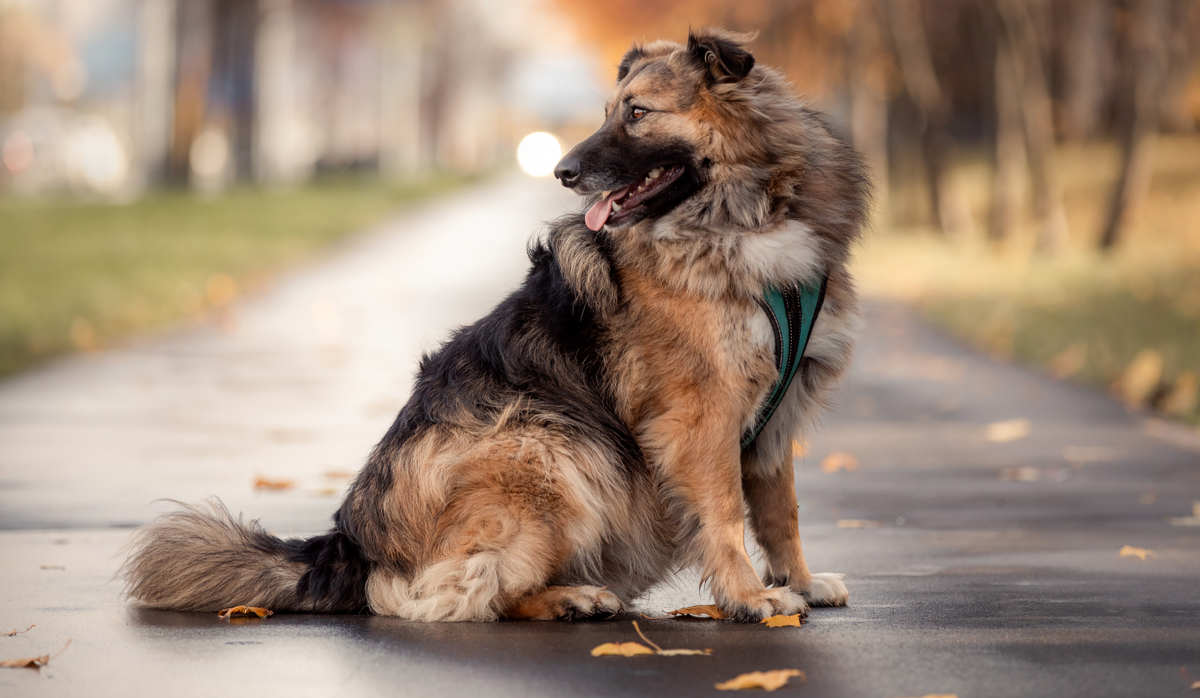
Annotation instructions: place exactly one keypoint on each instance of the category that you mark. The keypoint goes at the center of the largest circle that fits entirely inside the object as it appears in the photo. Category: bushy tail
(201, 558)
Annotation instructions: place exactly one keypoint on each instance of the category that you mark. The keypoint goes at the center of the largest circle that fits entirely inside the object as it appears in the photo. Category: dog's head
(669, 123)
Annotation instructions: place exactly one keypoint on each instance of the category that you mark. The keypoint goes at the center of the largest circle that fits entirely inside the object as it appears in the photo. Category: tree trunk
(868, 100)
(1008, 181)
(1145, 67)
(903, 19)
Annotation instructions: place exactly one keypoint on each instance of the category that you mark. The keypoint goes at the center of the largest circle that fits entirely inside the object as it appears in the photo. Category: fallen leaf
(766, 680)
(1007, 431)
(245, 611)
(792, 621)
(630, 649)
(32, 662)
(1148, 498)
(1020, 475)
(1069, 361)
(1183, 398)
(1141, 378)
(1196, 686)
(1139, 553)
(1193, 520)
(940, 695)
(1088, 454)
(624, 649)
(710, 610)
(10, 633)
(799, 448)
(839, 461)
(263, 483)
(858, 523)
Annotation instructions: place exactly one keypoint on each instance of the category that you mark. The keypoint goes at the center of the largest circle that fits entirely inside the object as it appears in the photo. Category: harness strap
(792, 311)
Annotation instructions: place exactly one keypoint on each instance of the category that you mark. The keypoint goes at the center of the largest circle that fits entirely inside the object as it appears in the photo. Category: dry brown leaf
(32, 662)
(623, 649)
(1193, 520)
(792, 621)
(766, 680)
(262, 483)
(839, 461)
(630, 649)
(245, 611)
(10, 633)
(1007, 431)
(1139, 553)
(1196, 686)
(858, 523)
(710, 610)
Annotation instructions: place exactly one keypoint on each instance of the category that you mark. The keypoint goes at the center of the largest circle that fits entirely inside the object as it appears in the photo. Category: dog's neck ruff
(792, 311)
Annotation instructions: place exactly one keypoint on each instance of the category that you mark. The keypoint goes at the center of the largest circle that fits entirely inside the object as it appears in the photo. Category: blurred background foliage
(1037, 161)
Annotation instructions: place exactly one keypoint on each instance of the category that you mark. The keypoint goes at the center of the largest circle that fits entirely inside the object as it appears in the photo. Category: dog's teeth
(654, 173)
(616, 206)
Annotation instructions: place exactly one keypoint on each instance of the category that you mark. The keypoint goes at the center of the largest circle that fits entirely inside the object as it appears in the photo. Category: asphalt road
(983, 569)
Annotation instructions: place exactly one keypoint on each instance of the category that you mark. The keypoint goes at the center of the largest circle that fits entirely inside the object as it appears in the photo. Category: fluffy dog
(581, 442)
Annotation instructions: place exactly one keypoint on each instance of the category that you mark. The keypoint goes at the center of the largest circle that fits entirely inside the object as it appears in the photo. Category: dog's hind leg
(771, 498)
(566, 603)
(501, 537)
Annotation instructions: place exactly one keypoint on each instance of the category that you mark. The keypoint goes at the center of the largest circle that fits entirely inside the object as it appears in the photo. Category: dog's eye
(637, 113)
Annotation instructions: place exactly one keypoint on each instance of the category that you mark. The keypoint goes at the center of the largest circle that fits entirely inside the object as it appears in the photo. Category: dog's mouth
(619, 205)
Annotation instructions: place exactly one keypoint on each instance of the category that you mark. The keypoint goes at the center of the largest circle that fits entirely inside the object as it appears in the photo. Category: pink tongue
(598, 213)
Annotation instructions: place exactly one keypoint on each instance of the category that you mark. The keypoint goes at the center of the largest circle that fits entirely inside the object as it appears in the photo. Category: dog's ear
(635, 52)
(721, 53)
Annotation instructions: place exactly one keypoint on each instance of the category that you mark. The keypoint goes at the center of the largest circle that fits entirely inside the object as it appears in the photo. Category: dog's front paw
(826, 589)
(767, 603)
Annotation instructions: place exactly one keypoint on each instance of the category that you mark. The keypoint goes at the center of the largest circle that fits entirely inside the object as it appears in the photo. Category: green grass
(81, 276)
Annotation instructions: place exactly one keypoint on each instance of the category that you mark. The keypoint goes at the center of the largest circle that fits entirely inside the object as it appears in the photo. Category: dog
(584, 440)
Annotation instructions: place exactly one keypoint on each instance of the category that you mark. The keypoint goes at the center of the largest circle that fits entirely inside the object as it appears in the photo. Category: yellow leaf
(792, 621)
(1193, 520)
(262, 483)
(32, 662)
(799, 448)
(1141, 378)
(1139, 553)
(1007, 431)
(858, 523)
(839, 461)
(1069, 361)
(26, 662)
(710, 610)
(1020, 475)
(245, 611)
(630, 649)
(623, 649)
(766, 680)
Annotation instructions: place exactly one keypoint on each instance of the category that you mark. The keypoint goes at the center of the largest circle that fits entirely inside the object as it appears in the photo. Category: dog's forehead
(658, 78)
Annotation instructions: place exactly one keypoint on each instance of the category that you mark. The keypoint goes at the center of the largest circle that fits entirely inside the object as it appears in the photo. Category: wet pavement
(977, 568)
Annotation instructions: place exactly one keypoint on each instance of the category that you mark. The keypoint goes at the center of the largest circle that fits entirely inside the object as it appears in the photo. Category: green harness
(792, 312)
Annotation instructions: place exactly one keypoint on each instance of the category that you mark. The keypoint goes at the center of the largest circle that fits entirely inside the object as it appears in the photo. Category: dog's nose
(567, 170)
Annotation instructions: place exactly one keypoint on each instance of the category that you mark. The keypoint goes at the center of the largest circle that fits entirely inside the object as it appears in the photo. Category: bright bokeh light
(539, 153)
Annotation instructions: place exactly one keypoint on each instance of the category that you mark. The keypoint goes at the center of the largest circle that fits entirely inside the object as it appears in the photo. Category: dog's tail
(201, 558)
